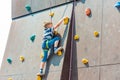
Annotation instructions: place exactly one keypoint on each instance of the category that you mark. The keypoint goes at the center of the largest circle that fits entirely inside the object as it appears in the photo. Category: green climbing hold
(28, 7)
(32, 38)
(9, 60)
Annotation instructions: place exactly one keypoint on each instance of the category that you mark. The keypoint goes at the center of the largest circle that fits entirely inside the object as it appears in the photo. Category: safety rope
(63, 16)
(50, 9)
(65, 32)
(66, 28)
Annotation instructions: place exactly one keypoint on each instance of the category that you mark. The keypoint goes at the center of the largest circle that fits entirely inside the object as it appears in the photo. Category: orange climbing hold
(66, 20)
(51, 14)
(84, 61)
(88, 11)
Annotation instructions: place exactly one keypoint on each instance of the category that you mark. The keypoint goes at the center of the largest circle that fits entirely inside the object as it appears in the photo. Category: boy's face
(50, 25)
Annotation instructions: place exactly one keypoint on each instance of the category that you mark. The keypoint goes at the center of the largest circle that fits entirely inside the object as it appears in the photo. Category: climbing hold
(41, 55)
(59, 53)
(96, 34)
(84, 61)
(117, 4)
(28, 7)
(51, 14)
(76, 37)
(55, 32)
(9, 78)
(32, 38)
(9, 60)
(88, 11)
(39, 77)
(66, 20)
(22, 58)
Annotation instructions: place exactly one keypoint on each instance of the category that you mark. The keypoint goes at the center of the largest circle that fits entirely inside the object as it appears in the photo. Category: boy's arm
(59, 23)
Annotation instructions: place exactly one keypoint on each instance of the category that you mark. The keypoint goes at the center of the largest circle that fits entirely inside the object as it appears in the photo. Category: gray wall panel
(88, 46)
(111, 72)
(20, 45)
(87, 74)
(18, 6)
(110, 33)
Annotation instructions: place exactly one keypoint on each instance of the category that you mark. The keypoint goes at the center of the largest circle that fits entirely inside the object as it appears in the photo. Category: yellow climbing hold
(22, 58)
(51, 14)
(84, 61)
(96, 34)
(39, 77)
(59, 53)
(76, 37)
(55, 32)
(9, 78)
(66, 20)
(41, 55)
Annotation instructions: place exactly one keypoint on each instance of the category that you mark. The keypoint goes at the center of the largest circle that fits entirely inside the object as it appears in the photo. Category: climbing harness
(47, 44)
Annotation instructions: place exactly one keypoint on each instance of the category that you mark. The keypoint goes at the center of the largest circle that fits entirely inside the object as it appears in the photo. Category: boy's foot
(57, 49)
(40, 73)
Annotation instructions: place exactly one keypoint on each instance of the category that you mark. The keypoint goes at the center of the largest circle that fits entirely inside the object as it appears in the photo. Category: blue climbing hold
(117, 4)
(32, 38)
(28, 7)
(9, 60)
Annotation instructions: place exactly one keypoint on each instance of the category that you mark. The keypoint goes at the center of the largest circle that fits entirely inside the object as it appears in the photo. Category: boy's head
(48, 24)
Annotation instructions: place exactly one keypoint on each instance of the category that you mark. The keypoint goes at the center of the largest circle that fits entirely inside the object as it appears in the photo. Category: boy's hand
(60, 22)
(64, 18)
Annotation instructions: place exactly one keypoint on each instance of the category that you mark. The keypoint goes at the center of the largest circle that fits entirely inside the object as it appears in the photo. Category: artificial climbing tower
(90, 39)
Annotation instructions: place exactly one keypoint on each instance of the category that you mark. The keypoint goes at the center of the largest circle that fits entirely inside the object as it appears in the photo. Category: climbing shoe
(40, 73)
(57, 49)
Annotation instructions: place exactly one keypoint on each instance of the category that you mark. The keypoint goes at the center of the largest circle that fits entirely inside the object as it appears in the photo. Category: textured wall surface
(103, 52)
(18, 6)
(19, 44)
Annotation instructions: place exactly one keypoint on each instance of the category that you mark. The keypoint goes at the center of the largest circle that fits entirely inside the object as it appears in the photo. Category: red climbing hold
(88, 11)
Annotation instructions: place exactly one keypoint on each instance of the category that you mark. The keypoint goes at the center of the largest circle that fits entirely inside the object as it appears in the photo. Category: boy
(49, 40)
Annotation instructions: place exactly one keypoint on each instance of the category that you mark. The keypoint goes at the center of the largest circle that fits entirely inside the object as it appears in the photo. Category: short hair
(47, 23)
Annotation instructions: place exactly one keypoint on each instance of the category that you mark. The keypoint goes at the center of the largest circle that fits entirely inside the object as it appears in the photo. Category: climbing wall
(101, 52)
(19, 44)
(18, 6)
(95, 54)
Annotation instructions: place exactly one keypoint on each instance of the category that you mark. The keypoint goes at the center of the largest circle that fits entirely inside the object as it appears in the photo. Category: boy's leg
(56, 47)
(42, 67)
(43, 62)
(55, 41)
